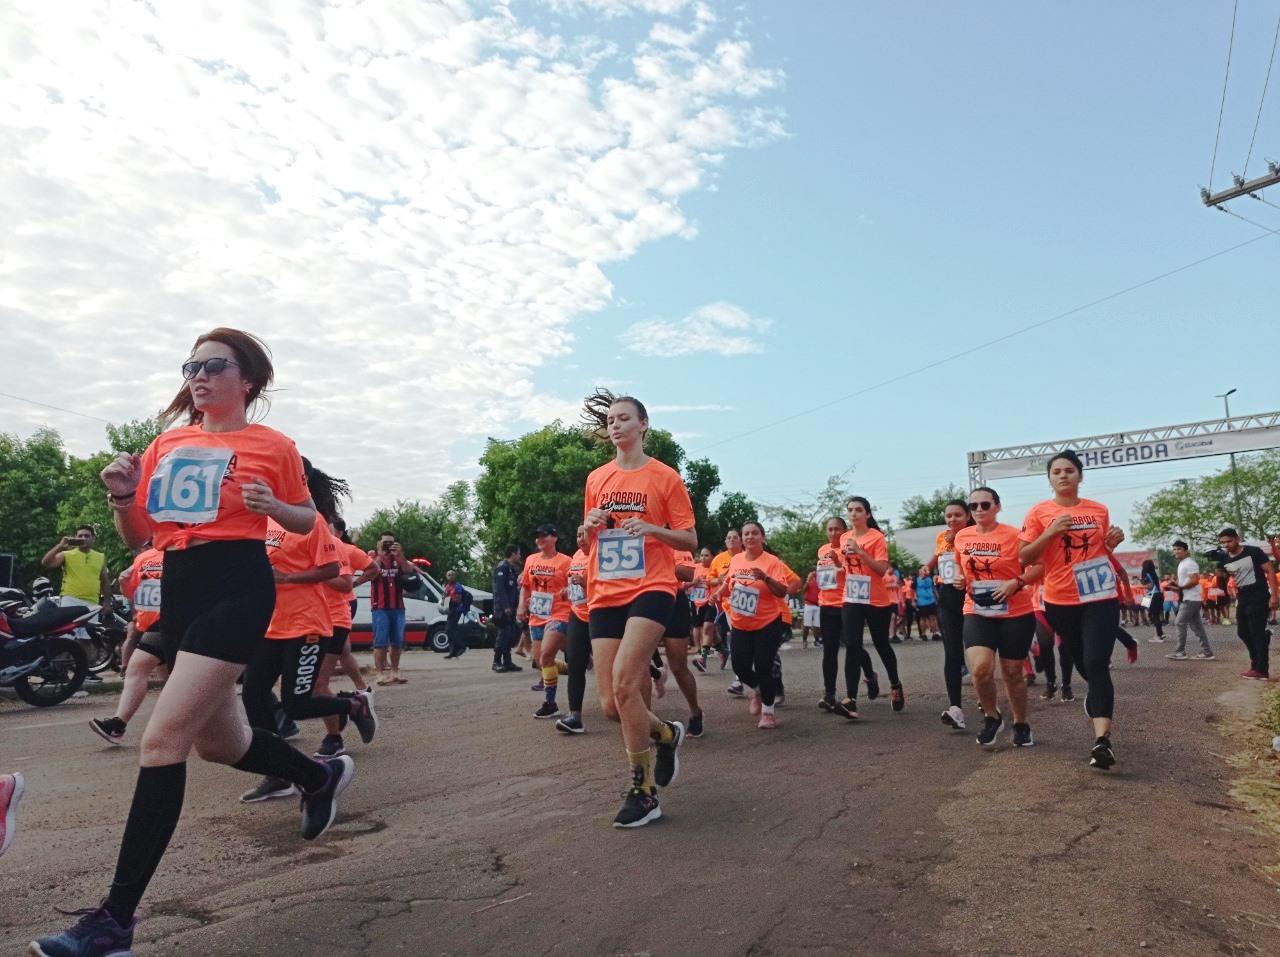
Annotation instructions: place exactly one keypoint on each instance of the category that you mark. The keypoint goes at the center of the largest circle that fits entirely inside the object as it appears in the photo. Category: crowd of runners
(243, 577)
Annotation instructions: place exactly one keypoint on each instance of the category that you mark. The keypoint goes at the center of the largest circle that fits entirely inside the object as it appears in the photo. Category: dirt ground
(471, 828)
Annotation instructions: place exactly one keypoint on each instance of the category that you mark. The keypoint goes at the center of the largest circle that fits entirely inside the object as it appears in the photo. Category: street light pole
(1235, 481)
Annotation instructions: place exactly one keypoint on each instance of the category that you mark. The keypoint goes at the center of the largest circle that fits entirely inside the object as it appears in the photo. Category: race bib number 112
(187, 485)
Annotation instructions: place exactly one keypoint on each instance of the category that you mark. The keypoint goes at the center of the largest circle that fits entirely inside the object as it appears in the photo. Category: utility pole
(1242, 188)
(1235, 481)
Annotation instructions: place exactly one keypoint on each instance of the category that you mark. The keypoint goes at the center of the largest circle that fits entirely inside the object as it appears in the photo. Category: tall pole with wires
(1235, 479)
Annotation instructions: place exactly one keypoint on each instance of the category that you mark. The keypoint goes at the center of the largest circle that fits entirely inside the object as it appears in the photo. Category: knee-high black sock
(157, 805)
(271, 756)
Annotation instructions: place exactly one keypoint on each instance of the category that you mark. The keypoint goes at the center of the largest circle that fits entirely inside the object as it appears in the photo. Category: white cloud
(719, 327)
(411, 201)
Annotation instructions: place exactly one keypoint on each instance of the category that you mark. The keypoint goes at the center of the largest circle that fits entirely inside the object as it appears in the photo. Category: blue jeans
(388, 628)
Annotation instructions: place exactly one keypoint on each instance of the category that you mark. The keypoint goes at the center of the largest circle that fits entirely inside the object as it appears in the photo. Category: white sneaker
(1156, 641)
(1177, 656)
(1203, 657)
(954, 717)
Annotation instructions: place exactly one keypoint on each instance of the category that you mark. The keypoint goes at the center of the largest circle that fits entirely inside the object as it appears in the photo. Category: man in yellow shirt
(84, 570)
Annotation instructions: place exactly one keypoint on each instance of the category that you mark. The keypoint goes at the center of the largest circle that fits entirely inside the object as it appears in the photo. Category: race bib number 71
(187, 485)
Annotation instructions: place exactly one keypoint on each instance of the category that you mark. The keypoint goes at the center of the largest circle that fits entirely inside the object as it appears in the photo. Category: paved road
(471, 828)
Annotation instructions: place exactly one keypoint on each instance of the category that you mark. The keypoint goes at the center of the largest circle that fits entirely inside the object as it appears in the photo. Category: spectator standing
(1189, 609)
(386, 603)
(1256, 597)
(84, 569)
(506, 597)
(456, 601)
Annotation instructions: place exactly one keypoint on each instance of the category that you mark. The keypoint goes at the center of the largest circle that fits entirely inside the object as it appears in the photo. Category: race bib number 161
(187, 485)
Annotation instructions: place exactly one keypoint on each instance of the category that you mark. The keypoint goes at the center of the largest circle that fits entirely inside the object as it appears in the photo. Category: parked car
(424, 622)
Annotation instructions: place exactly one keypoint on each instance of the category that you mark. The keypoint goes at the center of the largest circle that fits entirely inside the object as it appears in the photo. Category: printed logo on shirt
(1241, 570)
(622, 501)
(275, 537)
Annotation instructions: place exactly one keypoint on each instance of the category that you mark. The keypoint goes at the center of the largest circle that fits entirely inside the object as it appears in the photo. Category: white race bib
(540, 603)
(998, 610)
(698, 593)
(828, 578)
(745, 601)
(857, 589)
(1095, 579)
(577, 594)
(146, 597)
(187, 485)
(947, 567)
(619, 555)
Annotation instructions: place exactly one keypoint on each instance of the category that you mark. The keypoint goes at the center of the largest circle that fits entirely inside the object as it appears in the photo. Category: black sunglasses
(982, 506)
(212, 366)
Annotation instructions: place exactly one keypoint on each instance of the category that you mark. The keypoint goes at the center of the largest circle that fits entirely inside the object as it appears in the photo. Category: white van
(424, 622)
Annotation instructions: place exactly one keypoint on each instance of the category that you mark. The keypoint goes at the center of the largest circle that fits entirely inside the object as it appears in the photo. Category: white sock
(767, 708)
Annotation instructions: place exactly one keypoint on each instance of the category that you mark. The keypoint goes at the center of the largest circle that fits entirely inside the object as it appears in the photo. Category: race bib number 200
(745, 601)
(187, 485)
(619, 555)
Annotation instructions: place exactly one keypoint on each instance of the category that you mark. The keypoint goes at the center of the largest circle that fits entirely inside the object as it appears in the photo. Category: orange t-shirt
(751, 604)
(861, 585)
(148, 567)
(909, 589)
(301, 609)
(698, 589)
(190, 482)
(719, 568)
(352, 560)
(830, 572)
(1077, 568)
(991, 557)
(790, 579)
(684, 560)
(948, 573)
(544, 581)
(621, 565)
(578, 603)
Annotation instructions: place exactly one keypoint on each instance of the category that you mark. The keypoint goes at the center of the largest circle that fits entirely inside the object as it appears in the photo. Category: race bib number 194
(187, 485)
(857, 589)
(619, 555)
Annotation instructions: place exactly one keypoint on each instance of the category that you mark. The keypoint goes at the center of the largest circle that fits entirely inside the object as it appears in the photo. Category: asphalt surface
(471, 828)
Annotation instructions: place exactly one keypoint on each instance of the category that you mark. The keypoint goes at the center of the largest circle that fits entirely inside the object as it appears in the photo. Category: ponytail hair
(325, 490)
(595, 411)
(871, 519)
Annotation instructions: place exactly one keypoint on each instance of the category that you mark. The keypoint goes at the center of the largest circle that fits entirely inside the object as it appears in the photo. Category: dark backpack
(466, 599)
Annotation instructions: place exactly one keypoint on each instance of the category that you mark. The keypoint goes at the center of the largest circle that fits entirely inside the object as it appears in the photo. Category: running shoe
(873, 686)
(290, 731)
(547, 709)
(694, 729)
(320, 807)
(639, 808)
(11, 788)
(898, 697)
(331, 747)
(1101, 756)
(753, 701)
(847, 708)
(1205, 657)
(699, 664)
(1154, 640)
(1050, 690)
(724, 659)
(1067, 693)
(1254, 675)
(362, 714)
(1022, 735)
(937, 636)
(954, 716)
(1177, 656)
(990, 729)
(666, 762)
(111, 730)
(767, 722)
(827, 703)
(95, 934)
(735, 690)
(268, 789)
(570, 724)
(537, 687)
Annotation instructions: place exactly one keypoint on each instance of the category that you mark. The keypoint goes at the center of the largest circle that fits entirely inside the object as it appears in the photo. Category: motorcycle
(39, 658)
(101, 637)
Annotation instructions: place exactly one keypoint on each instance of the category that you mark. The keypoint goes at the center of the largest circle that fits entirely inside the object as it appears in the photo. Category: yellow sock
(644, 761)
(549, 675)
(562, 667)
(660, 731)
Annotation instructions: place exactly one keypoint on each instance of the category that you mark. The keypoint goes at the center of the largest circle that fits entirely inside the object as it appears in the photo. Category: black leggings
(830, 625)
(1044, 660)
(951, 624)
(1089, 633)
(577, 653)
(753, 656)
(295, 662)
(854, 618)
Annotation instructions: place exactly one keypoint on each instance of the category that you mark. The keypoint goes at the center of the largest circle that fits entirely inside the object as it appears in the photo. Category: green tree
(734, 509)
(921, 511)
(1197, 509)
(905, 561)
(702, 479)
(33, 480)
(444, 533)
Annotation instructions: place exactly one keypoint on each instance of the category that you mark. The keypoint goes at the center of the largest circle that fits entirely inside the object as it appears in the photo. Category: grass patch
(1257, 765)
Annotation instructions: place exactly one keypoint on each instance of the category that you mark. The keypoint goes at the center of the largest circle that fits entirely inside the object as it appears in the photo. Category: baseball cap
(547, 529)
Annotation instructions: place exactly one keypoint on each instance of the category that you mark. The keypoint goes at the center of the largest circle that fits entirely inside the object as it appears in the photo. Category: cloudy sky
(450, 220)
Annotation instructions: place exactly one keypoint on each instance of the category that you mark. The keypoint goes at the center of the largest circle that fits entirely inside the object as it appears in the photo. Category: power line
(991, 342)
(56, 408)
(1223, 105)
(1262, 99)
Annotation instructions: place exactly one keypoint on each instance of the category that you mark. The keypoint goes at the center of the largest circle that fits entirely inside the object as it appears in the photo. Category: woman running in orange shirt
(865, 553)
(638, 515)
(757, 587)
(1072, 536)
(951, 607)
(704, 610)
(578, 640)
(830, 574)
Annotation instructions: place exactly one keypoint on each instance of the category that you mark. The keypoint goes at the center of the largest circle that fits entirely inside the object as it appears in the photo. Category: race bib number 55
(619, 555)
(187, 485)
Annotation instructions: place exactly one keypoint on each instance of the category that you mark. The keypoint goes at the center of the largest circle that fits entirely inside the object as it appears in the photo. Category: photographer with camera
(389, 572)
(84, 570)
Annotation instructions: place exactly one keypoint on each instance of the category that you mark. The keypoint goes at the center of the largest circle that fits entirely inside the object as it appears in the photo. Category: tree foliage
(444, 533)
(923, 511)
(1197, 509)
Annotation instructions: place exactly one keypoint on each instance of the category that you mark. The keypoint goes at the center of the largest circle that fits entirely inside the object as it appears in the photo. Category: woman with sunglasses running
(830, 574)
(951, 596)
(638, 515)
(998, 617)
(864, 552)
(1072, 536)
(204, 493)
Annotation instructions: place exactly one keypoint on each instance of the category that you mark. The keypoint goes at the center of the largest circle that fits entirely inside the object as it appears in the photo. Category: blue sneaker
(320, 807)
(95, 934)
